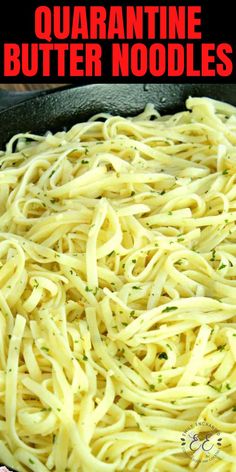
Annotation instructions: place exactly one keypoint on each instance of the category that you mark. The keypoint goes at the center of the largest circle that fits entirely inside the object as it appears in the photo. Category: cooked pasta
(117, 293)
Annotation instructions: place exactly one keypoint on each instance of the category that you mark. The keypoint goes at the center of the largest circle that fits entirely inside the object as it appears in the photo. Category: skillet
(54, 110)
(58, 109)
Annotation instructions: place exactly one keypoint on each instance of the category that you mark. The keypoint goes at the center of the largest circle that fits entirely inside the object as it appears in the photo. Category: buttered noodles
(117, 294)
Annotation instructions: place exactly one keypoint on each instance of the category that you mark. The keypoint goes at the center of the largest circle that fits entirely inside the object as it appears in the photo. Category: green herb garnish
(169, 308)
(162, 355)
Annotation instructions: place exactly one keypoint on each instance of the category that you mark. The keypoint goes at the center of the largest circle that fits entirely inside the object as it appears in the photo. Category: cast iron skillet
(55, 110)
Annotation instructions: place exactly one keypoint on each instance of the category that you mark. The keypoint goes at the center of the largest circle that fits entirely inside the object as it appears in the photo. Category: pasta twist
(117, 300)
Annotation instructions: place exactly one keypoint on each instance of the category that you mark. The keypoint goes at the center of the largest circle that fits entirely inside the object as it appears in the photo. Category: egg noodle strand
(118, 293)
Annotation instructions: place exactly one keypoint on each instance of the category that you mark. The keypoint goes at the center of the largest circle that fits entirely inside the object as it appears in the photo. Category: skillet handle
(10, 98)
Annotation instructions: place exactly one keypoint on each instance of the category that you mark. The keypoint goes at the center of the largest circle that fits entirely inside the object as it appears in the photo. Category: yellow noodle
(117, 293)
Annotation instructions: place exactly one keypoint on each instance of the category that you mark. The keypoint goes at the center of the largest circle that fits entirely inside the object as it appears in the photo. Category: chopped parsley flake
(87, 289)
(169, 308)
(221, 347)
(162, 355)
(222, 266)
(213, 257)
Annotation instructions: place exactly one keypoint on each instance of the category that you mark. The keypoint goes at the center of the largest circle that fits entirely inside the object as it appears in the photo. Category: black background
(218, 25)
